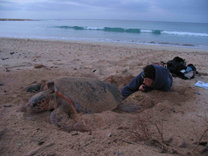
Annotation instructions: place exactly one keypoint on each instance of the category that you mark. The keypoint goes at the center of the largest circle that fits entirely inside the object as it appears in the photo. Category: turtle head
(42, 101)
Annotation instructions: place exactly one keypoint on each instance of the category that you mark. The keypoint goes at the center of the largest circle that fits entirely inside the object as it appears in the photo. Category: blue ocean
(194, 35)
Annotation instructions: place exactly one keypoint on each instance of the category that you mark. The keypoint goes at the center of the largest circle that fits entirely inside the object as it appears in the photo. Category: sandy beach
(176, 121)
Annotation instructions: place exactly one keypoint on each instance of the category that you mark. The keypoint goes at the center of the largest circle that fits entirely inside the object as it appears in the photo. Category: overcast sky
(157, 10)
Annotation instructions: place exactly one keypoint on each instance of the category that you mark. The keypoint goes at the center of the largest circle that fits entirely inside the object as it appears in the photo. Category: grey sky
(160, 10)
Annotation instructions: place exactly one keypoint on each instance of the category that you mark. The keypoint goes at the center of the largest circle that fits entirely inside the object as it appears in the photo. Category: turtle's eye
(35, 105)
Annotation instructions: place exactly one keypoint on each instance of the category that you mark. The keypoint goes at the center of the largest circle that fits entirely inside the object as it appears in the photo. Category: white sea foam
(185, 33)
(146, 31)
(94, 28)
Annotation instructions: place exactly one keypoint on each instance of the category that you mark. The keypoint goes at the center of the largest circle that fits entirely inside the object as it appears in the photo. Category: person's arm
(133, 86)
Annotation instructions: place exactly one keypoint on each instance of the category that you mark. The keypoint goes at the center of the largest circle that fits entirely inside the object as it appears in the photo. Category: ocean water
(193, 35)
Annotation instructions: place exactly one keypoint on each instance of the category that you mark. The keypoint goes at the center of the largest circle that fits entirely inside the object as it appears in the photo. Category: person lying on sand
(153, 77)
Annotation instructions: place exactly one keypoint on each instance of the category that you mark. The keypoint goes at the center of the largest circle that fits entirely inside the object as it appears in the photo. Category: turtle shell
(88, 95)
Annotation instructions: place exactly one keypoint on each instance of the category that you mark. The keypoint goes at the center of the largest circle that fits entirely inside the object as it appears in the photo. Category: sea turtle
(68, 96)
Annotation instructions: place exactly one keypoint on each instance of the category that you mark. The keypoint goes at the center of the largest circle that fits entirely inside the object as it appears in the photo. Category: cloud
(184, 6)
(178, 10)
(25, 1)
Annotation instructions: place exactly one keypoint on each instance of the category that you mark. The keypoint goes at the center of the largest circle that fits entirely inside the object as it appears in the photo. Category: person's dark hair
(149, 72)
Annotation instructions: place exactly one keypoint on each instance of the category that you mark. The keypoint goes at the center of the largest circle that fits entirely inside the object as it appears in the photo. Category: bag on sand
(178, 68)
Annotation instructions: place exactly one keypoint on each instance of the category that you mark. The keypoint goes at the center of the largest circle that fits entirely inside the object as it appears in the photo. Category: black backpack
(178, 68)
(176, 65)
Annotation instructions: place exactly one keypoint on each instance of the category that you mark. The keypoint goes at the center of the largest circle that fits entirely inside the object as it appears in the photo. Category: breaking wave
(185, 33)
(133, 30)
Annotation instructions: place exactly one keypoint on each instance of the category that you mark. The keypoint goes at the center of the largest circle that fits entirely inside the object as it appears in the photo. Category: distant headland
(14, 19)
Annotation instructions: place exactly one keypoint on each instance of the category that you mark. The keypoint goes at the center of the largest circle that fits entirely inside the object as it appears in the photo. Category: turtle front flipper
(62, 120)
(42, 101)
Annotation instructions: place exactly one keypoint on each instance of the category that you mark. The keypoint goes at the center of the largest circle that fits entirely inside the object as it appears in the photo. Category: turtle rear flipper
(64, 122)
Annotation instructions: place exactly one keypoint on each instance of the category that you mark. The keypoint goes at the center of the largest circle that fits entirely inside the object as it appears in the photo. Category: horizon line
(35, 19)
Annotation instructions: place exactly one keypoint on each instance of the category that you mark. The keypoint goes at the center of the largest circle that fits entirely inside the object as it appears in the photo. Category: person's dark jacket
(163, 81)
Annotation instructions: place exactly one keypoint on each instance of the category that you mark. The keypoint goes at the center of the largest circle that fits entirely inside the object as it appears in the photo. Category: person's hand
(141, 87)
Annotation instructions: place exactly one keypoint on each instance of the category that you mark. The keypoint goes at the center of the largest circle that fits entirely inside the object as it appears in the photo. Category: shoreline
(156, 46)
